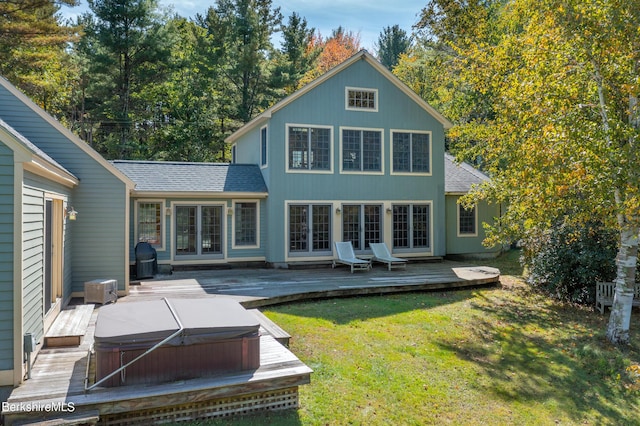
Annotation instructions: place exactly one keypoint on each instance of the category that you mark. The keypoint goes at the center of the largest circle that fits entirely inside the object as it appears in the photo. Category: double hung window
(150, 223)
(467, 221)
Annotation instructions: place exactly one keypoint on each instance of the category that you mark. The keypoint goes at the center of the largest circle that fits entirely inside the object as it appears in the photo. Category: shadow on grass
(540, 351)
(361, 308)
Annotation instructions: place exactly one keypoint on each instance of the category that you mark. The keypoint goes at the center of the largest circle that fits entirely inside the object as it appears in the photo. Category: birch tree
(561, 142)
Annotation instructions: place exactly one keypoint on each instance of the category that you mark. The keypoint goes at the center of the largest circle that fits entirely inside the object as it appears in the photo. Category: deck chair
(346, 256)
(381, 254)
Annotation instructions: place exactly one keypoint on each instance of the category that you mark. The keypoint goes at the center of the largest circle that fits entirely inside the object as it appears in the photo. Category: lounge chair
(346, 256)
(381, 254)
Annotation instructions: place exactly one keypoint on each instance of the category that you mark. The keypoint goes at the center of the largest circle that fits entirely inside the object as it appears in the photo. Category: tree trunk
(618, 329)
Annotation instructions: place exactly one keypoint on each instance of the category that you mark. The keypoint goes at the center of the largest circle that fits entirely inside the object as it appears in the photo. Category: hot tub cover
(135, 325)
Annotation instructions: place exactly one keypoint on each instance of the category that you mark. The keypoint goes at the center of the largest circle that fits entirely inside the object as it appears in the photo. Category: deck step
(69, 327)
(272, 328)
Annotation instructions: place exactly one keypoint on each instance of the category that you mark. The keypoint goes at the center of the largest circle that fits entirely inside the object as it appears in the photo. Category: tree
(297, 55)
(32, 47)
(240, 32)
(336, 49)
(129, 47)
(392, 42)
(560, 144)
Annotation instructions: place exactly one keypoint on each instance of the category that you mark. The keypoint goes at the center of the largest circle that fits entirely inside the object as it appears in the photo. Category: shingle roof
(458, 178)
(32, 147)
(161, 176)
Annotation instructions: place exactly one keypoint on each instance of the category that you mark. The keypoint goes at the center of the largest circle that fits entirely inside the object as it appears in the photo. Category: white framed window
(410, 152)
(361, 150)
(150, 222)
(467, 221)
(361, 99)
(309, 148)
(246, 224)
(263, 147)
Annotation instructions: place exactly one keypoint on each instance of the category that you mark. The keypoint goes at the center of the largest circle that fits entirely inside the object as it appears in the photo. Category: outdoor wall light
(167, 211)
(389, 210)
(229, 211)
(338, 211)
(71, 213)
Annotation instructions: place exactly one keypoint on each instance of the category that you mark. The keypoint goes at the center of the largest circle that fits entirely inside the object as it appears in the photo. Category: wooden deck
(58, 375)
(69, 327)
(58, 383)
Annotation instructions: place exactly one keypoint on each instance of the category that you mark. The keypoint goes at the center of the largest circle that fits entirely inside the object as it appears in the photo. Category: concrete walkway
(256, 287)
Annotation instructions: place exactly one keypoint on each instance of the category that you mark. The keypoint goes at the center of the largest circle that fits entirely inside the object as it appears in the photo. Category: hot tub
(212, 335)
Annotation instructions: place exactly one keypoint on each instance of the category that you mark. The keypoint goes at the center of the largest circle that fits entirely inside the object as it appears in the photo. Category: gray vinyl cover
(138, 325)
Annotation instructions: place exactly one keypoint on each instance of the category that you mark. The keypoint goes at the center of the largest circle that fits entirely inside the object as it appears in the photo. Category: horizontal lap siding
(6, 258)
(97, 240)
(33, 261)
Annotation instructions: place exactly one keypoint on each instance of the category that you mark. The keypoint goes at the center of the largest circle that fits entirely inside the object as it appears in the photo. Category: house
(353, 156)
(48, 176)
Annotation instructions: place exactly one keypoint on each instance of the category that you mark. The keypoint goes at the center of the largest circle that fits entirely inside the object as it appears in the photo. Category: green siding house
(353, 156)
(46, 172)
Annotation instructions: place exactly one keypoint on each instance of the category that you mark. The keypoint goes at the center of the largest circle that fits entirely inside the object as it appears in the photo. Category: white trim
(307, 170)
(376, 101)
(196, 258)
(66, 133)
(361, 55)
(18, 303)
(234, 246)
(410, 173)
(266, 149)
(190, 195)
(475, 218)
(163, 221)
(362, 172)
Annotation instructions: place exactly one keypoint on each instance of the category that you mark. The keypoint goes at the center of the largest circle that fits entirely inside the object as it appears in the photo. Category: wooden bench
(605, 292)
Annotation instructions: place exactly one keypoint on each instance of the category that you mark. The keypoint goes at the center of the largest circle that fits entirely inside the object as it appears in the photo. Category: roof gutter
(198, 194)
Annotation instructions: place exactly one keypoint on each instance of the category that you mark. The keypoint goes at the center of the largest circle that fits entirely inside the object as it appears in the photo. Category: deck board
(69, 327)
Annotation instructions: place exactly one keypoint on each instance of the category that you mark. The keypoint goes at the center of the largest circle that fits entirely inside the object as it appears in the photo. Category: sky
(366, 17)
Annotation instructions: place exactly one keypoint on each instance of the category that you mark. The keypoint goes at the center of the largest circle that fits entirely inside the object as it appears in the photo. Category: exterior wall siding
(469, 245)
(33, 261)
(6, 257)
(166, 253)
(98, 238)
(325, 106)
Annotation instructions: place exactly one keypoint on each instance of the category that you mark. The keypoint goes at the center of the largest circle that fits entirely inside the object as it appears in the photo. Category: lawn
(500, 355)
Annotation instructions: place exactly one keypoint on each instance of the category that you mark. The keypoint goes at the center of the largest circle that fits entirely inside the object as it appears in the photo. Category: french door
(199, 231)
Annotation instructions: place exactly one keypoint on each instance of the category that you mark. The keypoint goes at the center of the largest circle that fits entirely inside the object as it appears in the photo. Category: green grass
(498, 356)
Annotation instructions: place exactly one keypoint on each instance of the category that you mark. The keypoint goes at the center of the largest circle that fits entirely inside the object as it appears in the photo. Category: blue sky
(367, 17)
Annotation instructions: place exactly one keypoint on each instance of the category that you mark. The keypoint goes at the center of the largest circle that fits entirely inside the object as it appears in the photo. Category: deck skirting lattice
(282, 399)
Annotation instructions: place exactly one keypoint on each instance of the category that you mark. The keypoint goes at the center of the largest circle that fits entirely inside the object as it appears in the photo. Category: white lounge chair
(381, 254)
(346, 256)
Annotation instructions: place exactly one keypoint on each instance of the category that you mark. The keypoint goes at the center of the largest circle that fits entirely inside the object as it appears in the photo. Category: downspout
(153, 348)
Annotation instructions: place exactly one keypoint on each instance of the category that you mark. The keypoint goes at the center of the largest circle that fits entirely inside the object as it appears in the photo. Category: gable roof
(361, 55)
(460, 177)
(182, 178)
(55, 124)
(42, 163)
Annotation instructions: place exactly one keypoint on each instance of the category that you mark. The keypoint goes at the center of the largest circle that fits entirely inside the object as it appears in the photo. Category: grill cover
(140, 325)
